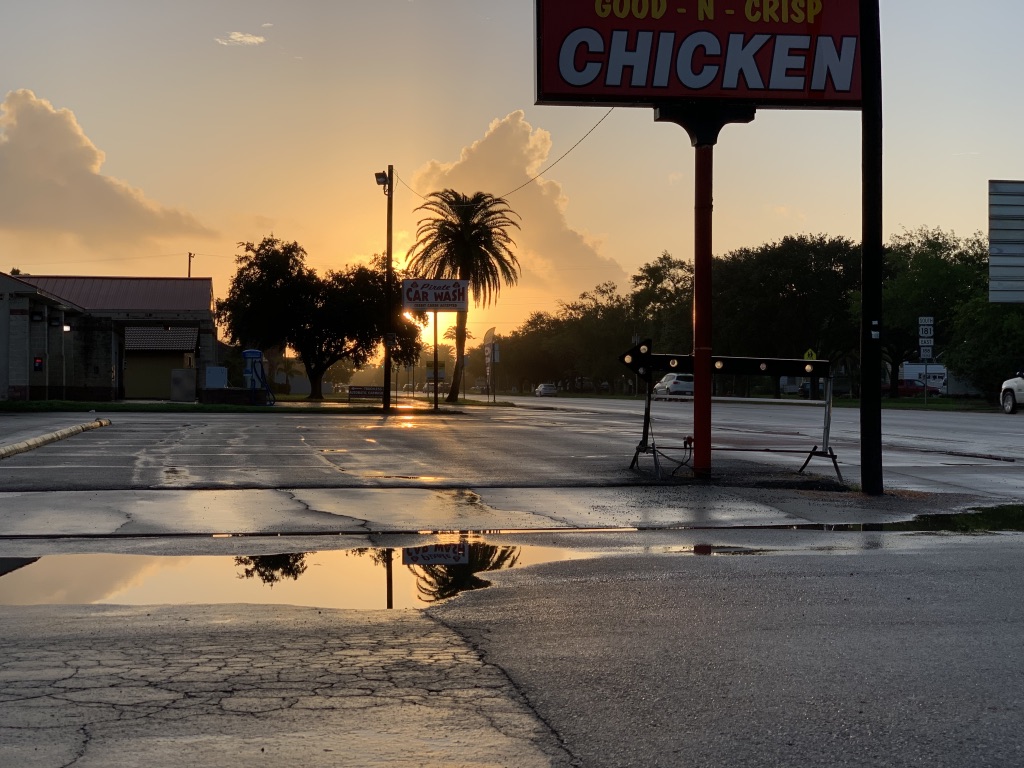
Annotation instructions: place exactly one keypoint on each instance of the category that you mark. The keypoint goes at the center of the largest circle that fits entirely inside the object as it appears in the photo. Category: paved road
(809, 647)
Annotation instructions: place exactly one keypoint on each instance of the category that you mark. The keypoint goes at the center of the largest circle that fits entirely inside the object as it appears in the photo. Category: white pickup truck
(1012, 392)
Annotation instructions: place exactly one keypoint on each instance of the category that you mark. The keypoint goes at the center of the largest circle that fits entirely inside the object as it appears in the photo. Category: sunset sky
(133, 132)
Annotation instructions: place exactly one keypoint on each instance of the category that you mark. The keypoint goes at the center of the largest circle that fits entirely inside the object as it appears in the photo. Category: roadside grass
(1009, 517)
(972, 404)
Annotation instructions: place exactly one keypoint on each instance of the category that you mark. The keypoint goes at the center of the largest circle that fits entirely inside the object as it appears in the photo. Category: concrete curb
(7, 451)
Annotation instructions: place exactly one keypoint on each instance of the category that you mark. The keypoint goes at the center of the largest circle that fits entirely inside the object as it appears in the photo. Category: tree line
(781, 299)
(340, 320)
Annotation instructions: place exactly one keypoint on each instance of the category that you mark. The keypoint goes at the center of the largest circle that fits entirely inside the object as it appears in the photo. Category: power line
(89, 260)
(540, 173)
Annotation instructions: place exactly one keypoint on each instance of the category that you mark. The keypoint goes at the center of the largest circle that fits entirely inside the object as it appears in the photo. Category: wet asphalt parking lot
(761, 619)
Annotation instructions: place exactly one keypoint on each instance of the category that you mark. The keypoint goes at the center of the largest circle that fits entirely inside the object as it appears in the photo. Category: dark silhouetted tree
(465, 237)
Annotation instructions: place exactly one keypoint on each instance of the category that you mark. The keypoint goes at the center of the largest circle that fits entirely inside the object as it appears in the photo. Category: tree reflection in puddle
(434, 582)
(273, 568)
(440, 582)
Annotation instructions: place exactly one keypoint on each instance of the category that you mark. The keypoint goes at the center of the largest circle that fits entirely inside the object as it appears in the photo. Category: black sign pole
(872, 254)
(435, 360)
(703, 124)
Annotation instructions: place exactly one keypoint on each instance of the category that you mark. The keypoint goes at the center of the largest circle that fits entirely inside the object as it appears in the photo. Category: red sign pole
(703, 70)
(703, 125)
(702, 258)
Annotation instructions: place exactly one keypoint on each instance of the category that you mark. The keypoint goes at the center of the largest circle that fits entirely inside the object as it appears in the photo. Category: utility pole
(872, 254)
(190, 257)
(386, 179)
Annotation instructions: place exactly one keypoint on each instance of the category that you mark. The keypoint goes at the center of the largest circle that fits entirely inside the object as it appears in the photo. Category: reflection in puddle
(376, 578)
(368, 578)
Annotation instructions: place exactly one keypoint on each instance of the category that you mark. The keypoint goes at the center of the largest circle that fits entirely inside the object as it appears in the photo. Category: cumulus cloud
(53, 183)
(241, 38)
(558, 261)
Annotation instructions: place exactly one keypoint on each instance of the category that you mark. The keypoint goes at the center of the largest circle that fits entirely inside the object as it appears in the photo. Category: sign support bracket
(644, 446)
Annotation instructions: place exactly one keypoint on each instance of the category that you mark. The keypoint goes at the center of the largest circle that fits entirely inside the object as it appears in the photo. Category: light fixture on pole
(63, 363)
(386, 180)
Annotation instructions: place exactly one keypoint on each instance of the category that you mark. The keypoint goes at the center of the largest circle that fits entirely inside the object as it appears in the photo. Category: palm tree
(465, 237)
(439, 582)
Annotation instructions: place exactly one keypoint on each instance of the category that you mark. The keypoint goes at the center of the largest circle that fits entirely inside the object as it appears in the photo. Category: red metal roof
(182, 294)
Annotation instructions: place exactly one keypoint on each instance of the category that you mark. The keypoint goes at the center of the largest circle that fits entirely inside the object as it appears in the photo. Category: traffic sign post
(926, 344)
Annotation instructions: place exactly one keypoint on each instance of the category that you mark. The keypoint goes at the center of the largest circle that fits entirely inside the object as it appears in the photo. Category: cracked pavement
(237, 684)
(172, 686)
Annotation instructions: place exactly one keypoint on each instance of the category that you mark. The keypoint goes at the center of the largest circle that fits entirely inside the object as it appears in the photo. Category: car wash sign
(436, 295)
(764, 53)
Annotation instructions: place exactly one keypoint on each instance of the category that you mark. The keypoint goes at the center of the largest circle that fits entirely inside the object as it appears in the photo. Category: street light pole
(386, 180)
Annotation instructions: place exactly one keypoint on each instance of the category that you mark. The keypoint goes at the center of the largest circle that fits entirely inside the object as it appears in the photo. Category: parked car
(1012, 392)
(546, 390)
(914, 388)
(674, 384)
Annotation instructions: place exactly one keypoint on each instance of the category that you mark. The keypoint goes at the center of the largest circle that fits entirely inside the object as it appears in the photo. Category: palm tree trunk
(460, 357)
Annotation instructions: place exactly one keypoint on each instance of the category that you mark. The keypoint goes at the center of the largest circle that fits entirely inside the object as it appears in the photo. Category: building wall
(5, 344)
(87, 362)
(92, 358)
(206, 353)
(147, 375)
(18, 348)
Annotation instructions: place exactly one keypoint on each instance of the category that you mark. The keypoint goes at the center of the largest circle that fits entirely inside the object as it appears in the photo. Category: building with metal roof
(105, 338)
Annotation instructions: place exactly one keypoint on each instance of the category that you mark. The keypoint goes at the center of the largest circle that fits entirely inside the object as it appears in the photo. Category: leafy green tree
(591, 327)
(662, 303)
(340, 373)
(531, 354)
(266, 293)
(270, 569)
(276, 300)
(465, 237)
(783, 298)
(929, 272)
(987, 344)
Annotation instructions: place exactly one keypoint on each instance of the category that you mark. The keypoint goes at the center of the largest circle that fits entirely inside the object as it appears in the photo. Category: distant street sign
(926, 353)
(926, 342)
(926, 331)
(926, 320)
(810, 354)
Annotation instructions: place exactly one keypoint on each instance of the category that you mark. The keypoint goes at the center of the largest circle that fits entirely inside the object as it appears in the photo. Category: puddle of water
(348, 579)
(370, 578)
(993, 520)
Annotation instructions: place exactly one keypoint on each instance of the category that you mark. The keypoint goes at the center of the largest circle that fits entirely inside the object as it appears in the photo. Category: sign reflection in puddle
(350, 579)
